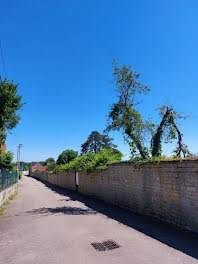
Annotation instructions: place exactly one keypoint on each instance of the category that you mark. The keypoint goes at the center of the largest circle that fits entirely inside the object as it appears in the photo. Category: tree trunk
(156, 140)
(138, 144)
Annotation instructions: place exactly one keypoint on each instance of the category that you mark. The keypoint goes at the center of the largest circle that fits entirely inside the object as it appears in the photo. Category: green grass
(3, 207)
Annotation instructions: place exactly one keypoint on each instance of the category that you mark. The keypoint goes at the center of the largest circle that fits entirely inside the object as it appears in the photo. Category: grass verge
(3, 207)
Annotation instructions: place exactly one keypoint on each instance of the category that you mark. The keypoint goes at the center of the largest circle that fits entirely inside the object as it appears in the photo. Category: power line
(3, 62)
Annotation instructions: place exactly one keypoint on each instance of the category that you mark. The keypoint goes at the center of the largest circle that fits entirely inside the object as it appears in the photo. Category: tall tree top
(96, 142)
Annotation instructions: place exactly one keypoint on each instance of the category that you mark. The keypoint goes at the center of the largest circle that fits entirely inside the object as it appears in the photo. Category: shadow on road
(184, 241)
(61, 210)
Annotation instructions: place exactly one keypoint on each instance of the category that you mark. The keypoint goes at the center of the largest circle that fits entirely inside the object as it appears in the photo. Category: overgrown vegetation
(168, 129)
(91, 162)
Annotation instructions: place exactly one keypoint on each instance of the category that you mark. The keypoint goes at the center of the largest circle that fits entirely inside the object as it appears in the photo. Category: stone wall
(167, 191)
(64, 180)
(6, 193)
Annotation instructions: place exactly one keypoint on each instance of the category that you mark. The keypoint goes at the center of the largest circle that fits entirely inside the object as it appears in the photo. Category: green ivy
(92, 162)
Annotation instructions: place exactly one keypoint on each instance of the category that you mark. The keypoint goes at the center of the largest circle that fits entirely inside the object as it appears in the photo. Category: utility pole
(18, 160)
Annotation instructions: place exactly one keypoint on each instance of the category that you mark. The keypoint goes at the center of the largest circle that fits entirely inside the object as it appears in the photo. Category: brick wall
(167, 191)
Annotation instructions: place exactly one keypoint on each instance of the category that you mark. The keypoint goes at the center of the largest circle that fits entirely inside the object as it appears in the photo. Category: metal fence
(7, 178)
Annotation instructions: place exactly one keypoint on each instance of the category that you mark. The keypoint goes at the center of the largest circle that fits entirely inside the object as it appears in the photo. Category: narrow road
(45, 224)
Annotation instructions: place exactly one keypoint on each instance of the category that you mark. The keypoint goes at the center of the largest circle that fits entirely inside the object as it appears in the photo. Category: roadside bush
(91, 162)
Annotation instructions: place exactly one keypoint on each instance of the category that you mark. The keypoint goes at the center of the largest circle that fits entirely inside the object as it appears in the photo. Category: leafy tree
(96, 142)
(6, 161)
(168, 130)
(49, 160)
(122, 115)
(24, 165)
(10, 103)
(66, 156)
(43, 163)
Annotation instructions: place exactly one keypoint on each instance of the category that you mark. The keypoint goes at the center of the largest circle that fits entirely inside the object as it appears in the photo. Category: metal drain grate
(110, 244)
(105, 246)
(98, 246)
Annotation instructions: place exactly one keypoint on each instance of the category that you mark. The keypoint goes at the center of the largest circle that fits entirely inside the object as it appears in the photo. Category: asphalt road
(44, 224)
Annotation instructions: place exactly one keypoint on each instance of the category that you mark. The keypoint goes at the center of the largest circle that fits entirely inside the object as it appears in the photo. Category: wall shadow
(184, 241)
(65, 210)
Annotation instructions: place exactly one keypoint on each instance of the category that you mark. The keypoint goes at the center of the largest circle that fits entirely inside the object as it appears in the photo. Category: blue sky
(61, 53)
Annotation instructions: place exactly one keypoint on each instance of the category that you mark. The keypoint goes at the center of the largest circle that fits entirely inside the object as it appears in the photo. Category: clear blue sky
(61, 53)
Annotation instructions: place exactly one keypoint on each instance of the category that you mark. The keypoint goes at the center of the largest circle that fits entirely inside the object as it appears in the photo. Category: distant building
(37, 167)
